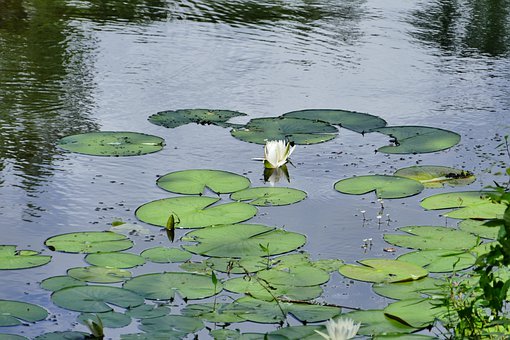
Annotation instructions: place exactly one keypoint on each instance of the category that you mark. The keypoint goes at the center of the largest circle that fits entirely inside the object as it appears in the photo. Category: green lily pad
(166, 255)
(297, 332)
(112, 143)
(194, 212)
(99, 274)
(10, 258)
(417, 139)
(296, 130)
(429, 237)
(171, 326)
(5, 336)
(374, 322)
(11, 312)
(418, 313)
(212, 312)
(60, 282)
(89, 242)
(67, 335)
(115, 260)
(162, 286)
(440, 260)
(384, 186)
(240, 240)
(173, 119)
(108, 319)
(352, 120)
(329, 265)
(194, 182)
(383, 270)
(269, 196)
(146, 311)
(404, 337)
(416, 289)
(478, 228)
(468, 204)
(94, 299)
(432, 176)
(248, 264)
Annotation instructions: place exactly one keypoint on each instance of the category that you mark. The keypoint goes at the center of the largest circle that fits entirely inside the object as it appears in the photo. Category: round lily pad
(240, 240)
(479, 228)
(269, 196)
(375, 322)
(171, 326)
(433, 176)
(99, 274)
(173, 119)
(112, 143)
(383, 270)
(108, 319)
(89, 242)
(166, 255)
(296, 130)
(6, 336)
(10, 258)
(12, 312)
(440, 260)
(352, 120)
(95, 299)
(212, 312)
(67, 335)
(194, 182)
(194, 212)
(384, 186)
(115, 260)
(60, 282)
(418, 313)
(146, 311)
(430, 237)
(248, 264)
(417, 139)
(411, 289)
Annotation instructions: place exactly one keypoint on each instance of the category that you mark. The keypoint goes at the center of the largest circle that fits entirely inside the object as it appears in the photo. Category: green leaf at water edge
(108, 319)
(173, 119)
(479, 228)
(89, 242)
(383, 270)
(12, 313)
(115, 260)
(439, 260)
(269, 196)
(166, 255)
(433, 176)
(99, 274)
(374, 322)
(417, 313)
(60, 282)
(10, 258)
(384, 186)
(112, 143)
(426, 287)
(430, 237)
(171, 326)
(194, 212)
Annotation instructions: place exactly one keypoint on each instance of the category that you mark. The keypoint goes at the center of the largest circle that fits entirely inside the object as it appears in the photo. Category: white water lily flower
(276, 153)
(340, 329)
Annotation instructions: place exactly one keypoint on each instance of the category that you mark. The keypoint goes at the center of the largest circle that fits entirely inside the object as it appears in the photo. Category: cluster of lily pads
(254, 272)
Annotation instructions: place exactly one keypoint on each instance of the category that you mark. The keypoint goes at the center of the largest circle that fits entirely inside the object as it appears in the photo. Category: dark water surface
(76, 66)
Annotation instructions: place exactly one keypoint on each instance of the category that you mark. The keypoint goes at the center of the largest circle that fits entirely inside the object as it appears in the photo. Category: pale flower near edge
(340, 329)
(276, 153)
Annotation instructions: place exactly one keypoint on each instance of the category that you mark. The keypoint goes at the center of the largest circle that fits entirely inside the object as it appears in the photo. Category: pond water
(76, 66)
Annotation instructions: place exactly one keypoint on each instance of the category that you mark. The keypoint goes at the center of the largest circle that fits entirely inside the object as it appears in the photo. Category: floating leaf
(299, 131)
(112, 143)
(115, 260)
(383, 270)
(60, 282)
(329, 265)
(89, 242)
(94, 299)
(173, 119)
(166, 255)
(171, 326)
(429, 237)
(162, 286)
(147, 311)
(10, 258)
(432, 176)
(99, 274)
(212, 312)
(194, 212)
(240, 240)
(469, 204)
(439, 260)
(417, 139)
(225, 334)
(298, 332)
(194, 182)
(352, 120)
(384, 186)
(425, 287)
(269, 196)
(375, 322)
(11, 312)
(418, 313)
(248, 264)
(108, 319)
(478, 228)
(5, 336)
(67, 335)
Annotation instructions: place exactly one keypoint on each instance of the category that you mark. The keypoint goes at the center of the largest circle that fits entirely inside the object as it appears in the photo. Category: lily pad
(6, 336)
(479, 228)
(108, 319)
(115, 260)
(89, 242)
(297, 332)
(194, 182)
(296, 130)
(384, 186)
(425, 287)
(173, 119)
(171, 326)
(240, 240)
(166, 255)
(194, 212)
(162, 286)
(374, 322)
(432, 176)
(60, 282)
(67, 335)
(12, 312)
(383, 270)
(417, 139)
(212, 312)
(248, 264)
(146, 311)
(95, 299)
(99, 274)
(429, 237)
(269, 196)
(10, 258)
(112, 143)
(439, 260)
(352, 120)
(468, 204)
(418, 313)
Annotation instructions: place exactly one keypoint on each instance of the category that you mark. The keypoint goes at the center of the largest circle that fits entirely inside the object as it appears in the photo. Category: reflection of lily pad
(112, 143)
(115, 260)
(267, 196)
(375, 322)
(89, 242)
(417, 313)
(99, 274)
(439, 260)
(479, 228)
(11, 312)
(355, 121)
(412, 289)
(194, 212)
(417, 139)
(299, 131)
(240, 240)
(383, 270)
(173, 119)
(385, 186)
(10, 258)
(432, 176)
(195, 181)
(166, 255)
(429, 237)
